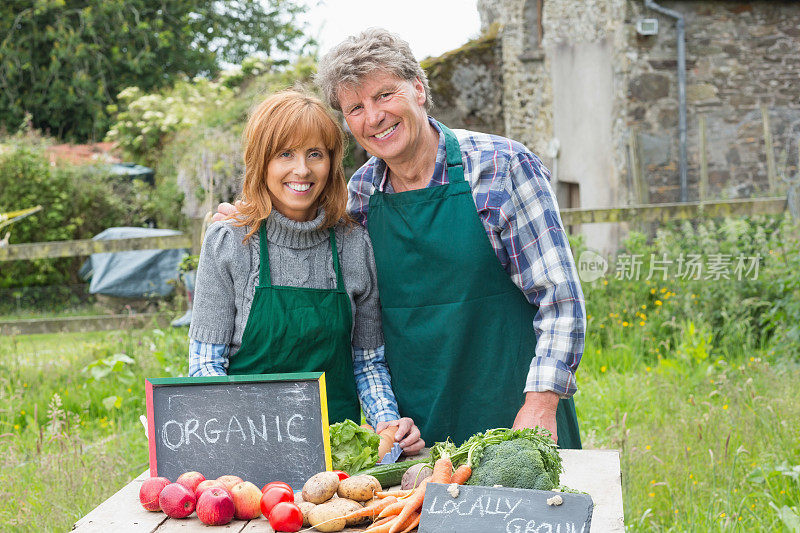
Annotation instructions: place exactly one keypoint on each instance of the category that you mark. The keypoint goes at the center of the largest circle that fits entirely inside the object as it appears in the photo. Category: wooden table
(596, 472)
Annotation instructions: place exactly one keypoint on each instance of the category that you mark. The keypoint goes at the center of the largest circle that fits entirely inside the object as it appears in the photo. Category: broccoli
(517, 463)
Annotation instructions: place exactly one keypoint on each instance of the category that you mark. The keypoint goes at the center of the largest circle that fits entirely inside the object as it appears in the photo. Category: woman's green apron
(459, 334)
(297, 329)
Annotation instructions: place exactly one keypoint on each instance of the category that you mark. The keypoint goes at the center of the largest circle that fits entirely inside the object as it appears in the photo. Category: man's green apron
(459, 334)
(297, 329)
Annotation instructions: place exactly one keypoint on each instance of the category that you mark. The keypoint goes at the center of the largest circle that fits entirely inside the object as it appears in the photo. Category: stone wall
(467, 85)
(739, 54)
(556, 57)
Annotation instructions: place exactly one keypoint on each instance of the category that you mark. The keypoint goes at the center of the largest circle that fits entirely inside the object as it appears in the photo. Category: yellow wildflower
(603, 368)
(641, 323)
(658, 302)
(652, 291)
(652, 494)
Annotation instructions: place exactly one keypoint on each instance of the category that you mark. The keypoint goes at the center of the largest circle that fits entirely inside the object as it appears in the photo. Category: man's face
(386, 115)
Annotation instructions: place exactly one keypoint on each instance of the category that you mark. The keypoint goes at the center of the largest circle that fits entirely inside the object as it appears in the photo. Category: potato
(414, 476)
(305, 508)
(320, 487)
(298, 497)
(327, 517)
(347, 506)
(359, 488)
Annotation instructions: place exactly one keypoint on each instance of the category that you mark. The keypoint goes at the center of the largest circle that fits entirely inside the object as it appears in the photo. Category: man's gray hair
(374, 49)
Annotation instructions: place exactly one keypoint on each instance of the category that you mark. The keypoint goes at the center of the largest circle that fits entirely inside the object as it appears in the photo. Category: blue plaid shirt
(369, 366)
(511, 189)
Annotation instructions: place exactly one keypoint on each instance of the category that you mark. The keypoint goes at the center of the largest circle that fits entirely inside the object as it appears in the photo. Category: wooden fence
(44, 250)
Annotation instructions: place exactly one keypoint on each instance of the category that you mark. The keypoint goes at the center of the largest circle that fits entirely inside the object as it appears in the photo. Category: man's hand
(407, 435)
(224, 210)
(539, 409)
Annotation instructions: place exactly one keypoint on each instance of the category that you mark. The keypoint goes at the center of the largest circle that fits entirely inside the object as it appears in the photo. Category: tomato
(276, 483)
(342, 474)
(273, 496)
(286, 516)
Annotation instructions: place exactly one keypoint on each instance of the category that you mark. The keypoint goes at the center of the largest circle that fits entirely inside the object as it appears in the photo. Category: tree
(65, 61)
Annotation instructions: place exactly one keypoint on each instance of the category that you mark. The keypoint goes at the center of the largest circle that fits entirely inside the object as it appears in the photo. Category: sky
(431, 27)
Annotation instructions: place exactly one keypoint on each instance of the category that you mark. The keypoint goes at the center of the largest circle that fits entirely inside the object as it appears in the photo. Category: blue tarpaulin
(133, 274)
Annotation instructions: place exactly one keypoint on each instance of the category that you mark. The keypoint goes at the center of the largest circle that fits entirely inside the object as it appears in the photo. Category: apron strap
(455, 166)
(336, 267)
(264, 277)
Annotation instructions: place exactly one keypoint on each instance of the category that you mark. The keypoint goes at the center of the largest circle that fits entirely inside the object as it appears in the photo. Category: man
(473, 263)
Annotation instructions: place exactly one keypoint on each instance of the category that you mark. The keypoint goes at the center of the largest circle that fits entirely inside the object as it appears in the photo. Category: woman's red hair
(283, 121)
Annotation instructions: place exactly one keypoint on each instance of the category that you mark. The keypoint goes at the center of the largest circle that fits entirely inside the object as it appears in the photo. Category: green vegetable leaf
(353, 448)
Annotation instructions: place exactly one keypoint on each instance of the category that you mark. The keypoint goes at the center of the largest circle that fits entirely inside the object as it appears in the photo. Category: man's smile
(385, 132)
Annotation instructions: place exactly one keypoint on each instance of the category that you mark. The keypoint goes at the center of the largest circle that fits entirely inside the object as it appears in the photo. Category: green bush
(750, 301)
(78, 202)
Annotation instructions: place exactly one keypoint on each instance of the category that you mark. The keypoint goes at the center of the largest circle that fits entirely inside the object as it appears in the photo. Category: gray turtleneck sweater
(299, 256)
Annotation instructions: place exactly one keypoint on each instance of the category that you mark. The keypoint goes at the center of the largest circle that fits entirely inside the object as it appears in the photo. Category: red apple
(207, 484)
(229, 481)
(246, 500)
(149, 491)
(177, 501)
(273, 496)
(191, 480)
(215, 507)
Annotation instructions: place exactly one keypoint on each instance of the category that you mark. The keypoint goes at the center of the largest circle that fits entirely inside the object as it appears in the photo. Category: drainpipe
(681, 88)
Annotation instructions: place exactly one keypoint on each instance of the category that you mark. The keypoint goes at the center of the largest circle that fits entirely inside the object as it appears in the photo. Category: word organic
(193, 431)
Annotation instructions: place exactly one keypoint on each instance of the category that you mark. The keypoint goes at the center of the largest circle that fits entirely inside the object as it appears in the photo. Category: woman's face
(296, 178)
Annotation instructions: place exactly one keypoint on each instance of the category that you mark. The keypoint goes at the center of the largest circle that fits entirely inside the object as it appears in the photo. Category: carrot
(442, 470)
(461, 474)
(372, 511)
(413, 503)
(380, 522)
(385, 527)
(388, 493)
(414, 522)
(392, 509)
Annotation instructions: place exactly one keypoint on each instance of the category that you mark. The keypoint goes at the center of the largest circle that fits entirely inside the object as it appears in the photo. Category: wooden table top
(596, 472)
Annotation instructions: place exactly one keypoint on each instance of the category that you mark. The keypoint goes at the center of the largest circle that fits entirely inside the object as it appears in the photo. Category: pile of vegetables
(523, 458)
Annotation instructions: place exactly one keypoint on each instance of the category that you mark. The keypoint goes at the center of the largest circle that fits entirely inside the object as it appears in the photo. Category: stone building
(592, 87)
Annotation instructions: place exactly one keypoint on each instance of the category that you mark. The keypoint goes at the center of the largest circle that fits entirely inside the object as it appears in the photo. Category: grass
(705, 449)
(69, 430)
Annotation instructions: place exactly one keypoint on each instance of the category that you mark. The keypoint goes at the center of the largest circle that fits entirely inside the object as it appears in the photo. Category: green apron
(297, 329)
(459, 334)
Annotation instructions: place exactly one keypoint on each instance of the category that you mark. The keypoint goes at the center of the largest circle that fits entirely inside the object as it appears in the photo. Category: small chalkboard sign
(476, 509)
(262, 428)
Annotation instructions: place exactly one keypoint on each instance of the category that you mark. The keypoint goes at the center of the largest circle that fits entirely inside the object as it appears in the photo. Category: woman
(289, 285)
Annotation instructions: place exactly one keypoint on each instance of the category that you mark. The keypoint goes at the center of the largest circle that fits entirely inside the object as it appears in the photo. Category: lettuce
(353, 448)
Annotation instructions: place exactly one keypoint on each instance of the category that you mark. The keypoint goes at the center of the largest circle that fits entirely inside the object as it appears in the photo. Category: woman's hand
(407, 435)
(224, 210)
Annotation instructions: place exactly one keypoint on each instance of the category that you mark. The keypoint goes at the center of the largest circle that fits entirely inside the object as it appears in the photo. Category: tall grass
(694, 380)
(69, 430)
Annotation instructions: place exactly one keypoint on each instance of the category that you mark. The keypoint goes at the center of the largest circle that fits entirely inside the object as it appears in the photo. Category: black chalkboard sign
(488, 510)
(262, 428)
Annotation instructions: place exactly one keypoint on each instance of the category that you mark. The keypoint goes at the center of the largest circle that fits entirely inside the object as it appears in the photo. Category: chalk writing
(175, 434)
(497, 509)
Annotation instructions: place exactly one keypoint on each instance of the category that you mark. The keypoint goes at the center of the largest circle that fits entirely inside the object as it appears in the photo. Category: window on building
(532, 13)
